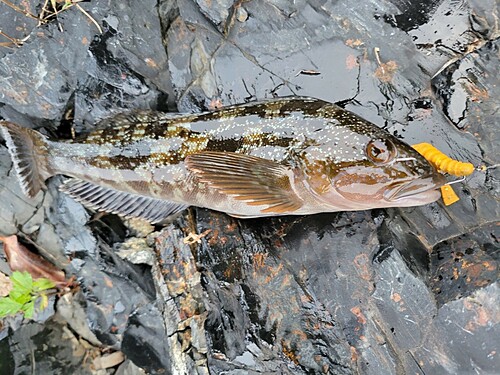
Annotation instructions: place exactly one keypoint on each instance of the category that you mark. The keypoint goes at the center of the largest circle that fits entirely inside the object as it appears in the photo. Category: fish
(282, 156)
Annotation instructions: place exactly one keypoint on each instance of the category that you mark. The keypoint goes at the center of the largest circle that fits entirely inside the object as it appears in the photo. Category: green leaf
(67, 4)
(9, 307)
(22, 281)
(42, 284)
(44, 302)
(29, 309)
(20, 297)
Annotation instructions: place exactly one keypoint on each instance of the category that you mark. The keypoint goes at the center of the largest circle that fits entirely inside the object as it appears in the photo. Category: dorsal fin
(121, 203)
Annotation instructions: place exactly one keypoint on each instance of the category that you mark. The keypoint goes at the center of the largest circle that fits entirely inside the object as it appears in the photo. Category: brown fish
(288, 156)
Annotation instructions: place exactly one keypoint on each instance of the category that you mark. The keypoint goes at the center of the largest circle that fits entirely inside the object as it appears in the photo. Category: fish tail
(29, 151)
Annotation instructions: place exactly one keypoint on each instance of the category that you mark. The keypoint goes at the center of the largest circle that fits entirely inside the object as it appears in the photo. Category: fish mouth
(422, 189)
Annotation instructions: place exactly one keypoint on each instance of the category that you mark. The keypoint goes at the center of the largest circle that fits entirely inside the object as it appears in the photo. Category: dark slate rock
(144, 341)
(113, 290)
(15, 25)
(37, 79)
(45, 349)
(264, 300)
(464, 264)
(469, 328)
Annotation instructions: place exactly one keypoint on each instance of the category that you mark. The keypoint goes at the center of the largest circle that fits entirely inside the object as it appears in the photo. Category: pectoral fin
(247, 178)
(121, 203)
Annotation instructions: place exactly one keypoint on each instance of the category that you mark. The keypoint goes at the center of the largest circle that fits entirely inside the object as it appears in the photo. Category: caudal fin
(29, 152)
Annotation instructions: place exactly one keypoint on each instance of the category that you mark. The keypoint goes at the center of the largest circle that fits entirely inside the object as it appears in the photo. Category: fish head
(377, 171)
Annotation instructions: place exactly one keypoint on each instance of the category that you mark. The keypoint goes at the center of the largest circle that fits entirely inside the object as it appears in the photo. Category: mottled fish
(288, 156)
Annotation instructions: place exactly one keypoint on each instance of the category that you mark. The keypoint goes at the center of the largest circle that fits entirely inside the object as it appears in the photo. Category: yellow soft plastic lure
(445, 164)
(448, 194)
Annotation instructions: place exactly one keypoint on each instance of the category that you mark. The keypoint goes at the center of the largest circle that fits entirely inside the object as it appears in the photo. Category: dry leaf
(353, 42)
(21, 259)
(351, 62)
(215, 104)
(386, 71)
(5, 285)
(109, 360)
(476, 93)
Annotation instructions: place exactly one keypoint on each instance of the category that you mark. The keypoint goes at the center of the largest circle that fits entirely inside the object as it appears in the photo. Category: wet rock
(137, 251)
(483, 19)
(246, 59)
(216, 11)
(7, 364)
(471, 322)
(145, 341)
(181, 293)
(128, 368)
(16, 26)
(40, 90)
(52, 349)
(258, 299)
(108, 360)
(464, 264)
(71, 311)
(241, 14)
(63, 231)
(469, 82)
(16, 209)
(425, 334)
(113, 290)
(96, 68)
(478, 207)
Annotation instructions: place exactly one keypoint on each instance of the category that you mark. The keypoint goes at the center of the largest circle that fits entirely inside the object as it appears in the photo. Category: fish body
(276, 157)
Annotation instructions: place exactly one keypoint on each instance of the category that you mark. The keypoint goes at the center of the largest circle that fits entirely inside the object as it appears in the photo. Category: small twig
(17, 42)
(376, 50)
(13, 40)
(17, 9)
(192, 238)
(41, 16)
(33, 362)
(89, 17)
(308, 72)
(445, 65)
(7, 45)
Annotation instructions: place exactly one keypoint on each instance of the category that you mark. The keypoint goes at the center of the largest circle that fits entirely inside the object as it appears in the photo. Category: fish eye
(381, 151)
